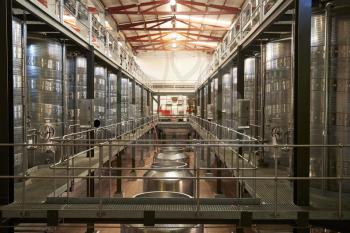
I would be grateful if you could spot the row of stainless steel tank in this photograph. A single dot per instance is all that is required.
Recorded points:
(268, 84)
(50, 86)
(169, 162)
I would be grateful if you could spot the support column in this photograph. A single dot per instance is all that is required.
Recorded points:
(90, 185)
(119, 173)
(90, 72)
(158, 104)
(208, 97)
(133, 104)
(240, 74)
(119, 95)
(6, 107)
(142, 107)
(148, 103)
(218, 174)
(90, 89)
(133, 160)
(206, 117)
(219, 105)
(301, 156)
(202, 102)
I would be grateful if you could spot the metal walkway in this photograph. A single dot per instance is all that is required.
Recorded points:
(266, 190)
(37, 190)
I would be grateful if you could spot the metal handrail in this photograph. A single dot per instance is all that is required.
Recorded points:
(236, 37)
(57, 12)
(240, 177)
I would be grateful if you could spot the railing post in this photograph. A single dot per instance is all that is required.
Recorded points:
(340, 181)
(275, 179)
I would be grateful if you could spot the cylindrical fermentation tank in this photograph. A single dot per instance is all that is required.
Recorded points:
(112, 103)
(177, 184)
(177, 157)
(138, 94)
(161, 228)
(45, 94)
(18, 92)
(278, 99)
(125, 99)
(252, 92)
(100, 94)
(330, 96)
(77, 86)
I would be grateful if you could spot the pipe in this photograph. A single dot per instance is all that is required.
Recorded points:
(327, 44)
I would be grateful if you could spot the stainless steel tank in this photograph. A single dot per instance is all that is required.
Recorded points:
(234, 96)
(161, 228)
(112, 104)
(205, 102)
(177, 184)
(138, 101)
(77, 86)
(144, 103)
(252, 92)
(172, 149)
(330, 100)
(45, 93)
(125, 99)
(249, 85)
(177, 157)
(18, 92)
(278, 99)
(226, 99)
(100, 94)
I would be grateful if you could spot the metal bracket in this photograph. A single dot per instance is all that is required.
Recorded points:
(149, 218)
(52, 217)
(302, 224)
(246, 219)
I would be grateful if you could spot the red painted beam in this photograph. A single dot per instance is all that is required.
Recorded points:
(213, 38)
(177, 49)
(233, 10)
(113, 9)
(122, 12)
(160, 40)
(142, 36)
(173, 29)
(131, 25)
(187, 22)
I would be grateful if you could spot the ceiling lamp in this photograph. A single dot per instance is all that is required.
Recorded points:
(172, 2)
(174, 36)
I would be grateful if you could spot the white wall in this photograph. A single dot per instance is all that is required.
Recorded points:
(173, 65)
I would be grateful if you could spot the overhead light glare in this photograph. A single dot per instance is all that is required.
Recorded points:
(172, 2)
(174, 36)
(174, 45)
